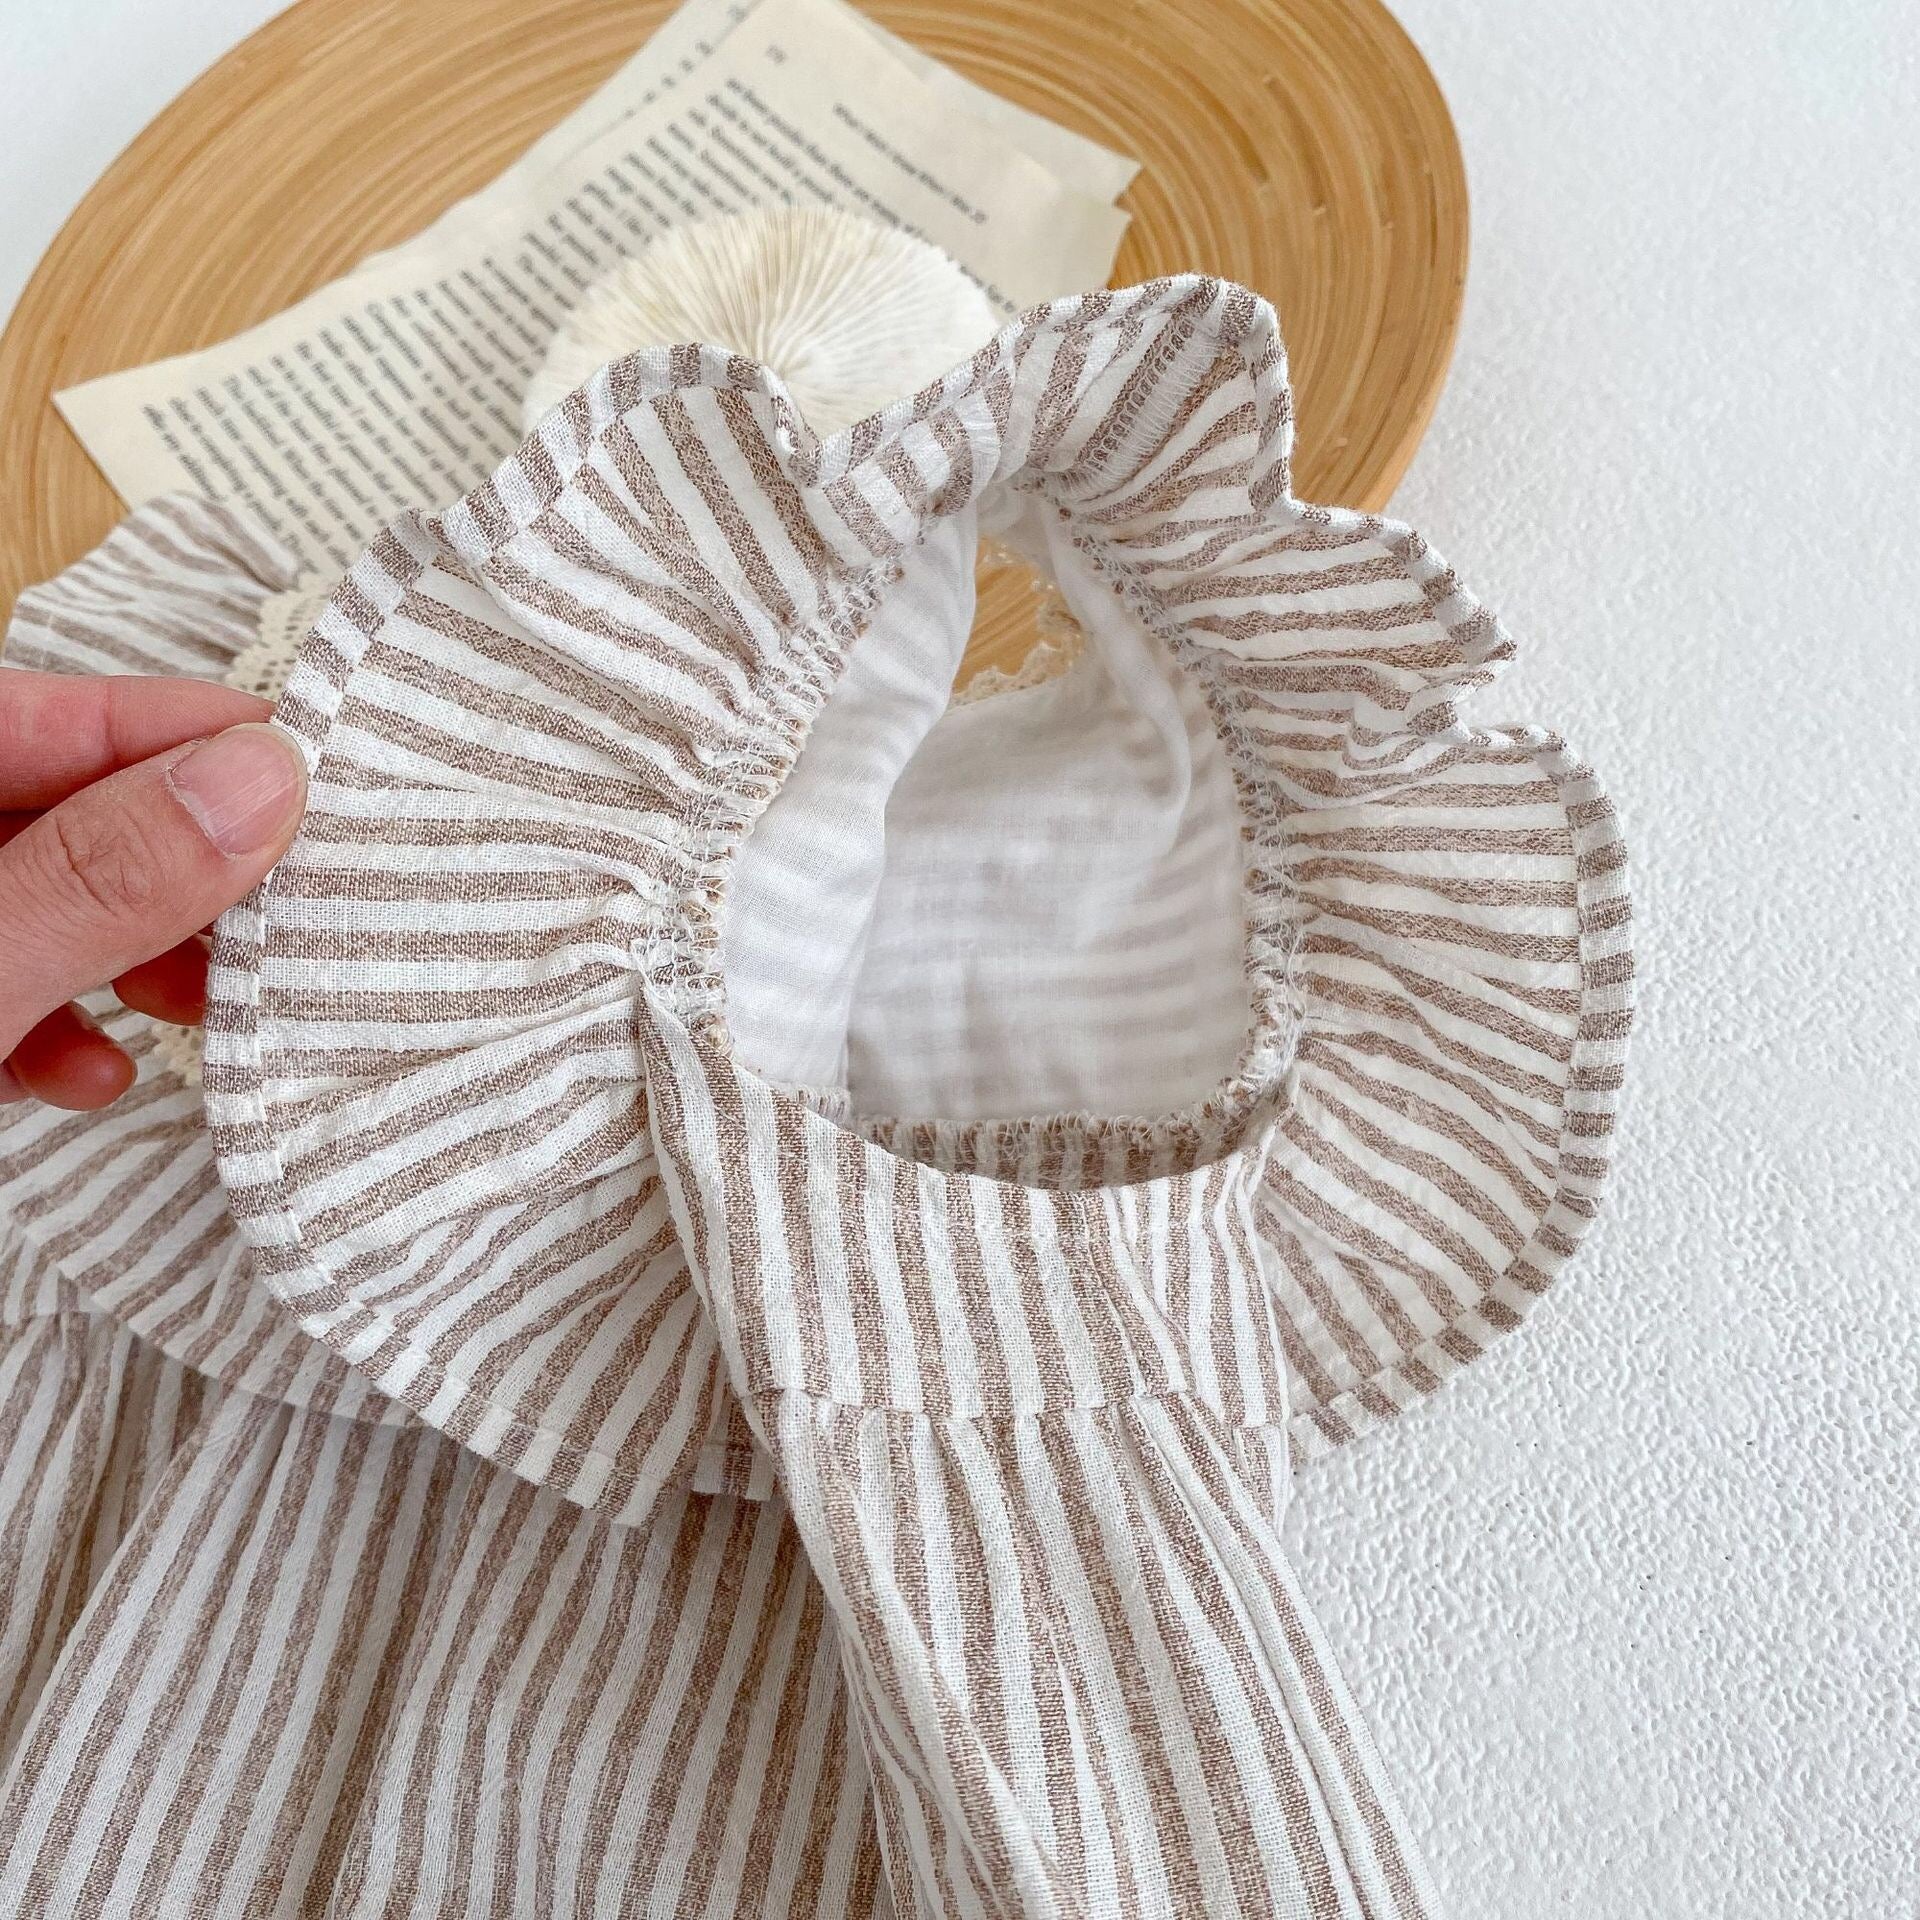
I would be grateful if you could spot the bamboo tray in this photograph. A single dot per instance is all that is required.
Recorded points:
(1299, 146)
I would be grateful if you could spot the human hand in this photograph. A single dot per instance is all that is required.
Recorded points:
(134, 810)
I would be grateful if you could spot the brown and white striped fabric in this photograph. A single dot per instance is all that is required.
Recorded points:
(658, 1391)
(1022, 1434)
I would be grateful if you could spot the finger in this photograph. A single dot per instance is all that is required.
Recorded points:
(172, 986)
(60, 732)
(131, 865)
(67, 1061)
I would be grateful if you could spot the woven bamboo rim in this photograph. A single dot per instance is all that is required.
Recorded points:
(1298, 146)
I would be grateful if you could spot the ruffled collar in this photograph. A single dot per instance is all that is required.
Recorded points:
(580, 687)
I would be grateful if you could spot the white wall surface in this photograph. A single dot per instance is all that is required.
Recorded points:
(1635, 1606)
(1638, 1605)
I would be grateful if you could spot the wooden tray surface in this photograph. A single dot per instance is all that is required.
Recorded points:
(1299, 146)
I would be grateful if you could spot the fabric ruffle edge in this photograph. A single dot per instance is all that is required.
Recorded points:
(1449, 910)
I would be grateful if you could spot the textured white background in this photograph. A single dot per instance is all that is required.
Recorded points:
(1636, 1606)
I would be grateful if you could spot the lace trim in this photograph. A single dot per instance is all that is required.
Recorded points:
(260, 667)
(1060, 642)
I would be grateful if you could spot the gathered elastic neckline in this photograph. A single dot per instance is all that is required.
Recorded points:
(795, 677)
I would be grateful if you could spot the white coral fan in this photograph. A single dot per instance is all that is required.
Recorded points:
(849, 314)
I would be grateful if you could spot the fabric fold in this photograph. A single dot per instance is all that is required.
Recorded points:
(258, 1662)
(763, 1247)
(1084, 1673)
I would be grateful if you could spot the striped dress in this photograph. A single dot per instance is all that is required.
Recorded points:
(727, 1327)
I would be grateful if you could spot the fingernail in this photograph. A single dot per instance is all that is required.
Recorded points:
(11, 1090)
(243, 787)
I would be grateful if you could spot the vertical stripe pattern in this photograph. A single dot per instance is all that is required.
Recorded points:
(514, 1457)
(262, 1663)
(1084, 1673)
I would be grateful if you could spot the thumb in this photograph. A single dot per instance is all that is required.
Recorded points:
(133, 864)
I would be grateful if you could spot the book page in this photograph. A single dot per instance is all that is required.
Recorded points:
(399, 386)
(689, 36)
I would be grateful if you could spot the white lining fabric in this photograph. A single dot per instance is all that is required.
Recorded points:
(1025, 904)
